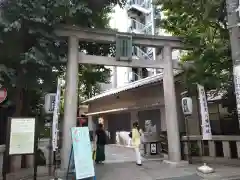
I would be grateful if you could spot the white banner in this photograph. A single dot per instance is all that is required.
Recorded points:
(55, 116)
(206, 128)
(236, 71)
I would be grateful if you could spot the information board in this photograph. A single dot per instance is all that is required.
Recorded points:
(22, 136)
(82, 152)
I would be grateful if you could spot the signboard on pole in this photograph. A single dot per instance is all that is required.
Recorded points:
(22, 136)
(206, 128)
(82, 152)
(3, 94)
(236, 72)
(187, 105)
(49, 103)
(55, 116)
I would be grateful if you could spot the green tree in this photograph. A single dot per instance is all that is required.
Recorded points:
(90, 76)
(31, 55)
(203, 27)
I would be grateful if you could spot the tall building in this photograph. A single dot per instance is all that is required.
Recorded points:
(142, 15)
(138, 16)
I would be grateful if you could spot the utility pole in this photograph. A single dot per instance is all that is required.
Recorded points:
(233, 16)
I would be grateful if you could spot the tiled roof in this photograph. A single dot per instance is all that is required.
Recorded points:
(211, 95)
(132, 85)
(124, 109)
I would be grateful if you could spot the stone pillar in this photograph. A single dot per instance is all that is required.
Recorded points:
(70, 100)
(174, 150)
(115, 77)
(163, 119)
(30, 161)
(16, 161)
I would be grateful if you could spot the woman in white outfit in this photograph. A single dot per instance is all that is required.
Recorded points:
(136, 142)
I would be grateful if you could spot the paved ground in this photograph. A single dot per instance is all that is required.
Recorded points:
(157, 170)
(118, 154)
(120, 165)
(151, 170)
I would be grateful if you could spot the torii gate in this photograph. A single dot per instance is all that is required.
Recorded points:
(164, 61)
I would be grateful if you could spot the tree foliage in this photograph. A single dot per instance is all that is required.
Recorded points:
(31, 55)
(103, 3)
(203, 26)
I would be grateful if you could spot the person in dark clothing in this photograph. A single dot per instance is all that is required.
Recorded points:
(100, 142)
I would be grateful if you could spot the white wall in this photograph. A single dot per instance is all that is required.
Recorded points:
(120, 21)
(122, 78)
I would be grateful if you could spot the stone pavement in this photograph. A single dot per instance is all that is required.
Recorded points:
(151, 170)
(118, 154)
(157, 170)
(120, 165)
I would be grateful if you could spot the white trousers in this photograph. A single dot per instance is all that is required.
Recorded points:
(138, 155)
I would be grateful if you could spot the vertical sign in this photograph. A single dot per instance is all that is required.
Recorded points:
(55, 116)
(236, 71)
(82, 152)
(206, 128)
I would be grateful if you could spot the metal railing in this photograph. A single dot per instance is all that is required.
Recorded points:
(140, 53)
(137, 25)
(145, 29)
(143, 3)
(140, 27)
(150, 52)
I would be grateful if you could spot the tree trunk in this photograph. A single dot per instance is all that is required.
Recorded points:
(19, 101)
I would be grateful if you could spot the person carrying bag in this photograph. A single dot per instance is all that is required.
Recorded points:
(136, 142)
(99, 145)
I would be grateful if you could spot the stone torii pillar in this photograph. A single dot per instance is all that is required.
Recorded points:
(174, 150)
(70, 100)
